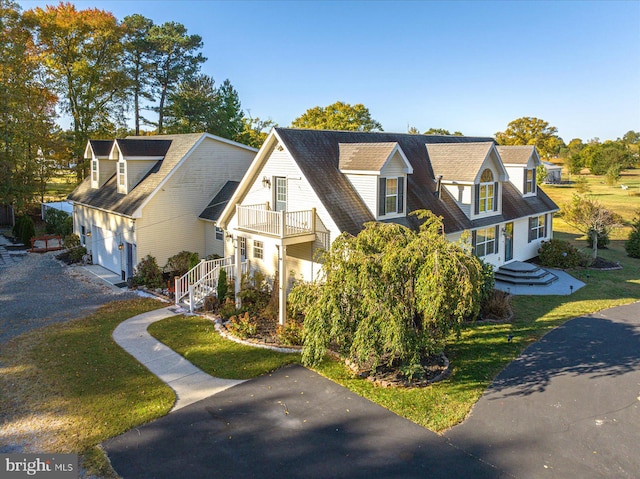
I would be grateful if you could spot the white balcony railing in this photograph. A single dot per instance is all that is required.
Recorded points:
(281, 224)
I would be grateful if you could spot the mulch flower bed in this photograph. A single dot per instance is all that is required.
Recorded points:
(604, 264)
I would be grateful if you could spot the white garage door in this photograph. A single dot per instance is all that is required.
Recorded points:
(105, 249)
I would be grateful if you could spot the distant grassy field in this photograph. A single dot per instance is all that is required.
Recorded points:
(624, 202)
(60, 185)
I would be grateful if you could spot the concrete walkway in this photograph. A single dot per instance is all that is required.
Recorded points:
(189, 383)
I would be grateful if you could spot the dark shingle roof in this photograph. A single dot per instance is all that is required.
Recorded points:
(219, 202)
(132, 147)
(317, 153)
(101, 148)
(107, 198)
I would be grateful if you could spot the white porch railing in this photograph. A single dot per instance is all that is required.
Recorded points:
(194, 275)
(207, 284)
(281, 224)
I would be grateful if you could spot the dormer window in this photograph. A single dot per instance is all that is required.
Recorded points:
(94, 171)
(391, 196)
(530, 182)
(121, 174)
(486, 192)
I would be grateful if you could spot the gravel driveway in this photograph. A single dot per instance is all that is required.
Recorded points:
(40, 290)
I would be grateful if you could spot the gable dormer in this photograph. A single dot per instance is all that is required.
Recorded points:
(378, 172)
(471, 173)
(134, 159)
(521, 163)
(100, 167)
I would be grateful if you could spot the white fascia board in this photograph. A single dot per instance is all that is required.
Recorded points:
(88, 151)
(407, 165)
(249, 178)
(503, 175)
(231, 142)
(142, 158)
(361, 172)
(115, 145)
(445, 181)
(84, 205)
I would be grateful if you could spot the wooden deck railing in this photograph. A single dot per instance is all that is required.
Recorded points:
(282, 224)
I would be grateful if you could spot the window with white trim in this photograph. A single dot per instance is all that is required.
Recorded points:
(243, 247)
(83, 235)
(390, 195)
(530, 182)
(537, 227)
(485, 241)
(258, 249)
(219, 234)
(121, 173)
(94, 171)
(486, 194)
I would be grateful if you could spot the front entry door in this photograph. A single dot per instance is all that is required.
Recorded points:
(508, 242)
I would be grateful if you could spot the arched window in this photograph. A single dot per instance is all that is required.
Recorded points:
(486, 192)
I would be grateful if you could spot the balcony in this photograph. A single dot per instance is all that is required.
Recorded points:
(293, 226)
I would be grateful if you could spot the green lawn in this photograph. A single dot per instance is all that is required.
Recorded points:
(75, 385)
(72, 380)
(477, 356)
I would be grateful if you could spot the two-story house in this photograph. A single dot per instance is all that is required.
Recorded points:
(305, 187)
(144, 195)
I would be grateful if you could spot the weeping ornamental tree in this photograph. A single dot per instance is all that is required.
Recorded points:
(389, 294)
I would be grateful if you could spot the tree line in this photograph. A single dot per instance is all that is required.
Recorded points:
(101, 72)
(104, 73)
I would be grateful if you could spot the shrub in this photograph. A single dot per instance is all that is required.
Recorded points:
(496, 306)
(148, 273)
(632, 245)
(243, 325)
(291, 333)
(179, 264)
(228, 308)
(210, 303)
(24, 229)
(557, 253)
(488, 281)
(76, 254)
(223, 287)
(58, 222)
(255, 291)
(71, 241)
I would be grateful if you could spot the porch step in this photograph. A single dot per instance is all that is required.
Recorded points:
(521, 273)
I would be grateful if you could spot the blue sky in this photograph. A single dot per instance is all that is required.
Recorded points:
(458, 65)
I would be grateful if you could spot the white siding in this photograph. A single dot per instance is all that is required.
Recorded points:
(136, 170)
(300, 196)
(170, 222)
(106, 169)
(367, 187)
(212, 245)
(395, 167)
(516, 176)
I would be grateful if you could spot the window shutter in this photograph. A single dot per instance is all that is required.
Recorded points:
(546, 225)
(524, 186)
(382, 196)
(496, 195)
(530, 230)
(473, 241)
(400, 194)
(535, 182)
(477, 207)
(496, 243)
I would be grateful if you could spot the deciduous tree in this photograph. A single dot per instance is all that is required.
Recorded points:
(338, 116)
(82, 51)
(255, 131)
(389, 293)
(441, 131)
(27, 109)
(591, 218)
(532, 131)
